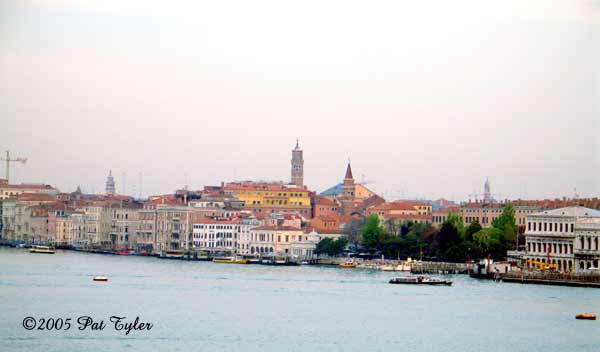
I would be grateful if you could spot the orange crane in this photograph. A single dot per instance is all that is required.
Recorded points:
(9, 160)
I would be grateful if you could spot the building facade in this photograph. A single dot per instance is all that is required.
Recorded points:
(265, 198)
(566, 238)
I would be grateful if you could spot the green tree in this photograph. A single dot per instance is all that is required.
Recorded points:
(324, 246)
(331, 247)
(472, 229)
(506, 222)
(373, 234)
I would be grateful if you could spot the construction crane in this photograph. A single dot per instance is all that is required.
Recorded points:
(542, 266)
(9, 160)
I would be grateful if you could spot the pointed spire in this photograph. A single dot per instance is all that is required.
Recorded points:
(297, 143)
(348, 171)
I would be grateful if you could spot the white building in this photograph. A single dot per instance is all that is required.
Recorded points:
(216, 235)
(566, 237)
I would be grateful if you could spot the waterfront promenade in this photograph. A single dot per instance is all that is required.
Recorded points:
(213, 307)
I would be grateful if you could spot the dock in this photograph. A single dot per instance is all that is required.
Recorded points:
(554, 279)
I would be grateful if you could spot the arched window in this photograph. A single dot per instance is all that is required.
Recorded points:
(581, 264)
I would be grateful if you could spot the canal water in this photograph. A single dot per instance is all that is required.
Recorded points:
(203, 306)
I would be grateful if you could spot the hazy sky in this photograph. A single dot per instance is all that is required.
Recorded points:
(427, 98)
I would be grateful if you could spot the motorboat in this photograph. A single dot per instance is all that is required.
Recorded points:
(230, 260)
(172, 254)
(420, 280)
(100, 278)
(350, 264)
(42, 249)
(586, 316)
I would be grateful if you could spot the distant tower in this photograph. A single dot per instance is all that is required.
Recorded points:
(297, 166)
(348, 192)
(487, 194)
(110, 183)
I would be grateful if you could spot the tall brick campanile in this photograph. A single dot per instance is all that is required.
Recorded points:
(297, 166)
(348, 192)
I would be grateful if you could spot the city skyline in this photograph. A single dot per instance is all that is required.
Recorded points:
(427, 109)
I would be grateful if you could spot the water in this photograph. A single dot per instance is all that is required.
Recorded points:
(222, 307)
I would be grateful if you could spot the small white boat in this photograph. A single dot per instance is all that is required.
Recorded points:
(100, 278)
(42, 249)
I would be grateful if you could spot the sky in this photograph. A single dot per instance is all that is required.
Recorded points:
(426, 98)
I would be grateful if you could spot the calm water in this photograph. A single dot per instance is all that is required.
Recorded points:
(218, 307)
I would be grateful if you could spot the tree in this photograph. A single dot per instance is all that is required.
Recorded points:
(506, 222)
(472, 229)
(373, 234)
(446, 237)
(353, 231)
(331, 247)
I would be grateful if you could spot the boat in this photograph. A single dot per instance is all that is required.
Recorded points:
(230, 260)
(100, 278)
(172, 254)
(304, 262)
(420, 280)
(282, 261)
(348, 264)
(586, 316)
(42, 249)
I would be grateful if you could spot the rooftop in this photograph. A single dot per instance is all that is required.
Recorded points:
(570, 211)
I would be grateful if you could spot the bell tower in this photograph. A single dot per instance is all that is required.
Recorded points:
(348, 192)
(297, 166)
(110, 183)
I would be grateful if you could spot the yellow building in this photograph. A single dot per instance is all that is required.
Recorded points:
(265, 198)
(64, 229)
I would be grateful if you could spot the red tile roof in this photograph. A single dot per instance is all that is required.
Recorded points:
(29, 186)
(275, 228)
(399, 205)
(35, 197)
(322, 200)
(258, 186)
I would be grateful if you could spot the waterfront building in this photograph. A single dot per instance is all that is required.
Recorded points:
(276, 240)
(216, 235)
(98, 223)
(25, 217)
(565, 237)
(265, 197)
(297, 166)
(123, 223)
(63, 228)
